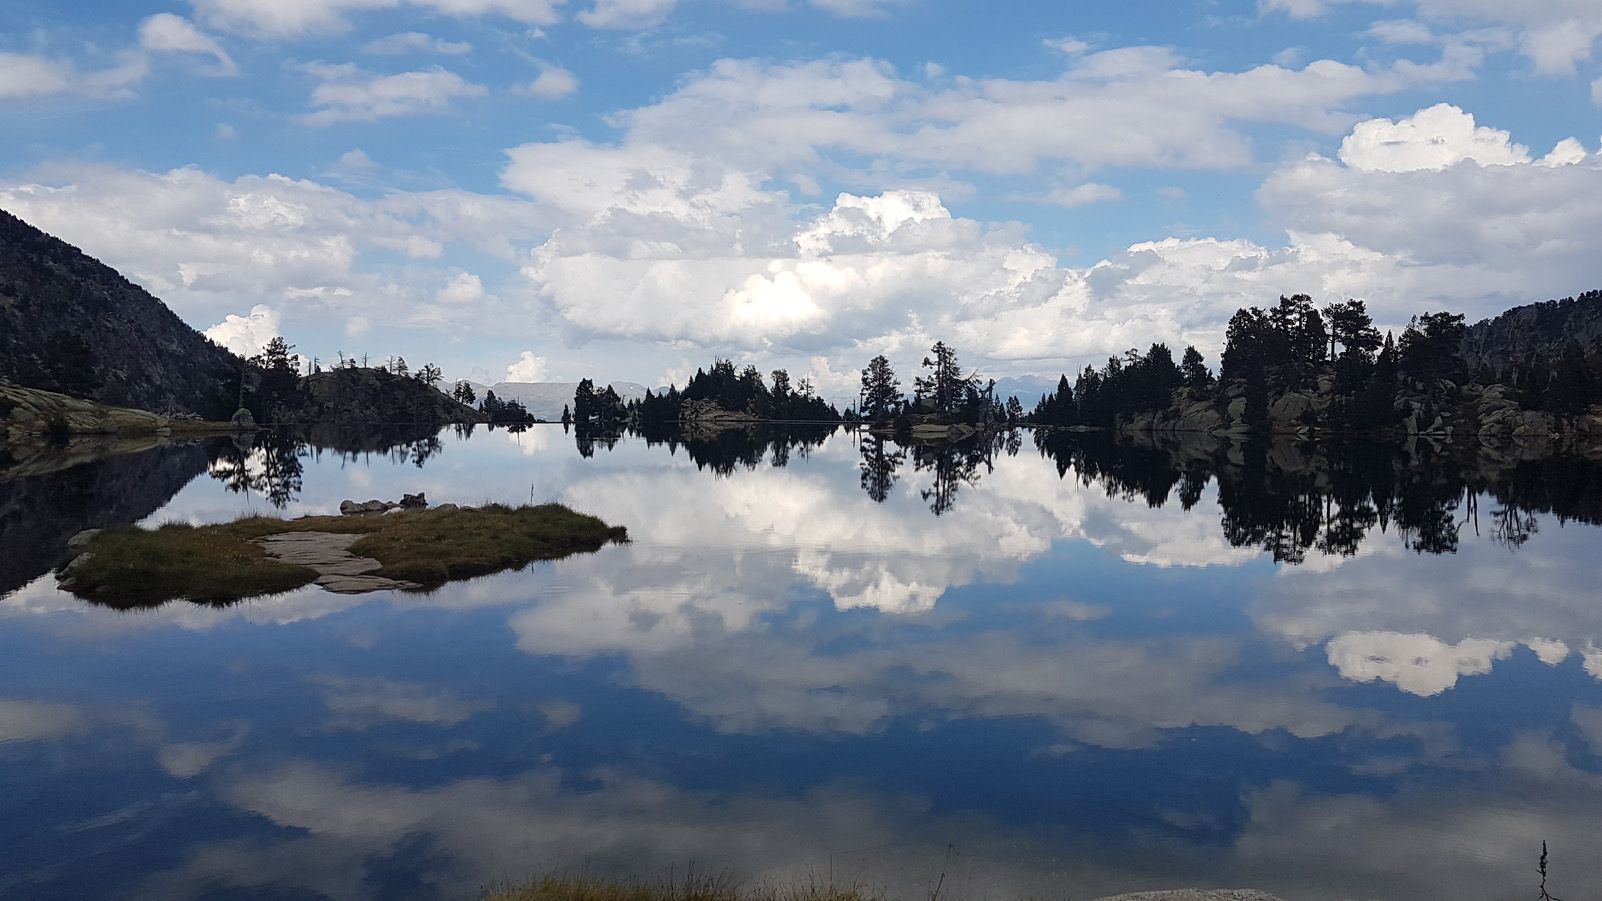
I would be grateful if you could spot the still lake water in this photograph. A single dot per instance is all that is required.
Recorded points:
(1093, 672)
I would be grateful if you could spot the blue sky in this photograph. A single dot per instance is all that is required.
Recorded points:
(624, 188)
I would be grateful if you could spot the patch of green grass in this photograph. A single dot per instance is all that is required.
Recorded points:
(691, 888)
(129, 566)
(133, 567)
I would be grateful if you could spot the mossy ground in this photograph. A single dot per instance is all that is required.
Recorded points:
(129, 566)
(693, 888)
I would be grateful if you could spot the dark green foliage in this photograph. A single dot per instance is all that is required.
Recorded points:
(881, 390)
(1431, 347)
(509, 412)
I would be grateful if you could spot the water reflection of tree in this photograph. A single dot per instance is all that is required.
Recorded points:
(951, 466)
(272, 463)
(879, 466)
(1299, 500)
(270, 467)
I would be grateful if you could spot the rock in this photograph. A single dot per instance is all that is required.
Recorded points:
(81, 540)
(443, 507)
(242, 419)
(413, 500)
(1236, 409)
(347, 507)
(1197, 895)
(1289, 408)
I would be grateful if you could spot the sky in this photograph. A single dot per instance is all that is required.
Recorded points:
(535, 190)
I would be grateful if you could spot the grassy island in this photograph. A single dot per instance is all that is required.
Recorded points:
(128, 566)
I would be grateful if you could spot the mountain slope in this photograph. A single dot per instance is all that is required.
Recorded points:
(71, 324)
(1539, 329)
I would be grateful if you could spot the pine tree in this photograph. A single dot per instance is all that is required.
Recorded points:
(881, 390)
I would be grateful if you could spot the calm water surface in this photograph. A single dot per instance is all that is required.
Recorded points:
(1089, 673)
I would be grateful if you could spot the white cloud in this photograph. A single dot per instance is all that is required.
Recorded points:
(22, 75)
(295, 18)
(1596, 92)
(414, 42)
(224, 132)
(1082, 195)
(28, 75)
(348, 94)
(463, 288)
(528, 368)
(627, 14)
(1432, 138)
(552, 82)
(1066, 45)
(210, 247)
(167, 33)
(247, 335)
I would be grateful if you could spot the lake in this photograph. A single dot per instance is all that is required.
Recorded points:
(1052, 667)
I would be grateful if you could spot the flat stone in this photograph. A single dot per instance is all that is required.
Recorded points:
(328, 554)
(1195, 895)
(339, 584)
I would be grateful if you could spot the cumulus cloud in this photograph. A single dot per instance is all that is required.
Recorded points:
(247, 335)
(167, 33)
(552, 82)
(528, 368)
(1432, 138)
(211, 247)
(348, 94)
(463, 288)
(1453, 201)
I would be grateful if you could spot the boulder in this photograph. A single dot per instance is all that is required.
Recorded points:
(413, 500)
(242, 419)
(1237, 409)
(81, 540)
(1288, 409)
(356, 508)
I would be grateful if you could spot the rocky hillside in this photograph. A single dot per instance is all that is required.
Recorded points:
(1539, 329)
(370, 397)
(70, 324)
(31, 413)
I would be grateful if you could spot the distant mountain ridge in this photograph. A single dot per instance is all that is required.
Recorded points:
(71, 324)
(545, 400)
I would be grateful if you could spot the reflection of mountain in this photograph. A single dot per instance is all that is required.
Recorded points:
(39, 513)
(1295, 500)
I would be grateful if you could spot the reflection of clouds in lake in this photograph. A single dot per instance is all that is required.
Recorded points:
(185, 760)
(24, 720)
(1429, 619)
(358, 703)
(1418, 664)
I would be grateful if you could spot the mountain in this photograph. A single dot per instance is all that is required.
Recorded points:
(545, 400)
(1539, 329)
(69, 323)
(1029, 389)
